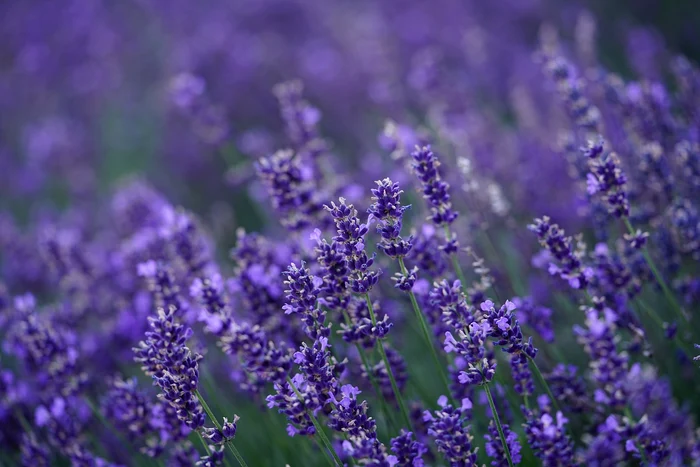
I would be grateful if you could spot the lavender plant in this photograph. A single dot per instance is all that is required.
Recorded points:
(209, 258)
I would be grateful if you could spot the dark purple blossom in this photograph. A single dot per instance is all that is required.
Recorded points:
(408, 451)
(494, 447)
(447, 426)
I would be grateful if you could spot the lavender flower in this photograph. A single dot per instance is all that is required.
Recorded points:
(351, 235)
(567, 262)
(388, 210)
(165, 356)
(435, 191)
(494, 447)
(408, 452)
(480, 366)
(606, 178)
(504, 328)
(546, 435)
(290, 185)
(452, 438)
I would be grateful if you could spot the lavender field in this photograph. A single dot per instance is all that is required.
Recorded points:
(349, 233)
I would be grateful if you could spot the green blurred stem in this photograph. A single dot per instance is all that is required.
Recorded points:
(204, 443)
(659, 278)
(319, 428)
(455, 261)
(427, 335)
(540, 376)
(497, 419)
(389, 371)
(229, 443)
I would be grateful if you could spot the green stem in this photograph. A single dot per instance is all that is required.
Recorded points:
(659, 278)
(427, 335)
(498, 425)
(540, 376)
(319, 428)
(229, 443)
(204, 443)
(389, 371)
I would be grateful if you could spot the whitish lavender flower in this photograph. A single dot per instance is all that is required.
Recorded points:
(351, 234)
(567, 262)
(546, 435)
(408, 452)
(165, 356)
(388, 210)
(290, 185)
(452, 438)
(494, 447)
(606, 178)
(436, 191)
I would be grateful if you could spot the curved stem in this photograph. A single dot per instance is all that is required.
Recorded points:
(229, 444)
(540, 376)
(389, 371)
(497, 419)
(659, 278)
(427, 334)
(319, 428)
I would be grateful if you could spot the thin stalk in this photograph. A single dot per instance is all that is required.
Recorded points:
(204, 443)
(389, 371)
(537, 371)
(319, 428)
(368, 369)
(427, 335)
(229, 444)
(640, 448)
(497, 419)
(659, 278)
(325, 452)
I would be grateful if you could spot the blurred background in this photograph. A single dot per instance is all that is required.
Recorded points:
(89, 89)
